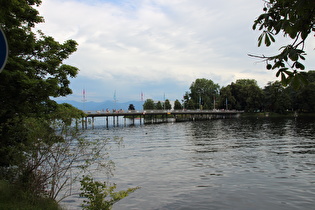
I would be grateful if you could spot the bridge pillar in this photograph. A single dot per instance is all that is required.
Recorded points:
(93, 122)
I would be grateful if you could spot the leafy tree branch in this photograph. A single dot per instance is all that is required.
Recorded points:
(294, 19)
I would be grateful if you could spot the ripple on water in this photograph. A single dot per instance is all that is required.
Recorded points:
(218, 164)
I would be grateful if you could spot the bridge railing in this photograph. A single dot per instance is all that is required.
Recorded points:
(163, 111)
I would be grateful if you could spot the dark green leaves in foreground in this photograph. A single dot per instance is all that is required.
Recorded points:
(294, 19)
(267, 38)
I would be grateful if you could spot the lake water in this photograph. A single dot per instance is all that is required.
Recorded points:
(218, 164)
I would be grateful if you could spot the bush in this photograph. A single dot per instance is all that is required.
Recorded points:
(101, 195)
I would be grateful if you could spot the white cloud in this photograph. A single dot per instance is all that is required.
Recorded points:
(138, 45)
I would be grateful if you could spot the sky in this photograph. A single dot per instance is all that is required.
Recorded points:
(156, 48)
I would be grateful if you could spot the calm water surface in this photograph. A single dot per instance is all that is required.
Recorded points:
(218, 164)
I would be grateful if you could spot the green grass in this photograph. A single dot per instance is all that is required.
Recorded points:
(12, 198)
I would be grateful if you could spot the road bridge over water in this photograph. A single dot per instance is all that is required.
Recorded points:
(157, 116)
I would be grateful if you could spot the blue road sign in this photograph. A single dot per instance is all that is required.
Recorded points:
(3, 50)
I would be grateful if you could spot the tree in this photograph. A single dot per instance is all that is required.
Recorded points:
(226, 99)
(203, 93)
(177, 105)
(190, 104)
(38, 143)
(159, 105)
(148, 104)
(51, 167)
(276, 98)
(34, 73)
(167, 104)
(294, 19)
(186, 99)
(303, 99)
(306, 98)
(131, 107)
(247, 94)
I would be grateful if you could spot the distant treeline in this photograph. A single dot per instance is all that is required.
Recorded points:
(246, 95)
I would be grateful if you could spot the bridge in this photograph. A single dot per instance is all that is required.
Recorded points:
(156, 116)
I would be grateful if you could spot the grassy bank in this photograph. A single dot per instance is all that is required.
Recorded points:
(12, 198)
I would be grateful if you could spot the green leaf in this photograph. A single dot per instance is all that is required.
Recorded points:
(283, 69)
(254, 26)
(260, 38)
(289, 73)
(278, 73)
(271, 37)
(304, 34)
(292, 33)
(278, 64)
(298, 65)
(283, 79)
(267, 40)
(293, 55)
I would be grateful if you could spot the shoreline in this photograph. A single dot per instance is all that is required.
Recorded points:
(273, 114)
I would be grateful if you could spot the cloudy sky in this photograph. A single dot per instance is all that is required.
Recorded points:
(156, 47)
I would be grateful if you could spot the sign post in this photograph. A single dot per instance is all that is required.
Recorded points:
(3, 50)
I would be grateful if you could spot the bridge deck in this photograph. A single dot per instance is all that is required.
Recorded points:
(159, 112)
(154, 115)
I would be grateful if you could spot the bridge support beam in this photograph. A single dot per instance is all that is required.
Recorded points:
(157, 116)
(93, 122)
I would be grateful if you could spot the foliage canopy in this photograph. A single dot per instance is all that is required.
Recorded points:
(40, 149)
(294, 19)
(246, 95)
(202, 95)
(34, 73)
